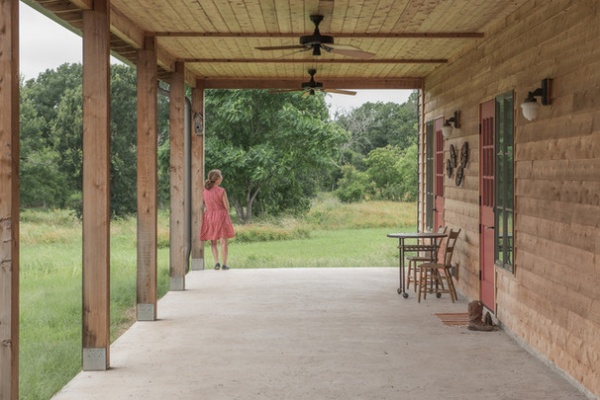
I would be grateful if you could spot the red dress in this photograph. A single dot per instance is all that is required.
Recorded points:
(216, 223)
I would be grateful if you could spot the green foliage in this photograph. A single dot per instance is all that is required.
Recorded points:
(41, 180)
(275, 151)
(390, 168)
(391, 175)
(51, 140)
(409, 179)
(67, 130)
(375, 125)
(286, 229)
(380, 159)
(328, 213)
(123, 140)
(353, 186)
(48, 89)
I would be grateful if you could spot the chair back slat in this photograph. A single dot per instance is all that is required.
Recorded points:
(450, 244)
(439, 242)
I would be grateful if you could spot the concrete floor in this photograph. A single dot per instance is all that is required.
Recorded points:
(312, 334)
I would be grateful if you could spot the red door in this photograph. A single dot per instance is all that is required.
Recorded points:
(487, 196)
(438, 218)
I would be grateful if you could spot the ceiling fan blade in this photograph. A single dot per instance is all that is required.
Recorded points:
(302, 48)
(296, 46)
(340, 91)
(285, 90)
(347, 50)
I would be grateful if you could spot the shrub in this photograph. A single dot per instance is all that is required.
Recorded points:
(353, 186)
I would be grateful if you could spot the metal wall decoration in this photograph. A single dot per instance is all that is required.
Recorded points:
(452, 163)
(459, 175)
(464, 154)
(453, 156)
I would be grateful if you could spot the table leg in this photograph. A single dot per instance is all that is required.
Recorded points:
(402, 288)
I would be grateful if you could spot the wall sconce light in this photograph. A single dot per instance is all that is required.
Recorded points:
(530, 106)
(453, 122)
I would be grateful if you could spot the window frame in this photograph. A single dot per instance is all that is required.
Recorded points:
(504, 213)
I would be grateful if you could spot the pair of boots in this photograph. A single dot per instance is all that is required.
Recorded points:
(475, 318)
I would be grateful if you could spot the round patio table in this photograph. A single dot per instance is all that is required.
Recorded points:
(425, 241)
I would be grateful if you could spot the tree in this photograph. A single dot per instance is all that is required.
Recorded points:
(52, 138)
(391, 175)
(383, 143)
(375, 125)
(394, 172)
(42, 183)
(48, 89)
(353, 185)
(275, 151)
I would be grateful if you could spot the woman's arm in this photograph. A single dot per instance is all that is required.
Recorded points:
(225, 201)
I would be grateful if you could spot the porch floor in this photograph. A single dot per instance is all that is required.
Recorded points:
(296, 334)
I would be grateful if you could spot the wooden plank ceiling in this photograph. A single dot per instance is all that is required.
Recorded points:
(217, 39)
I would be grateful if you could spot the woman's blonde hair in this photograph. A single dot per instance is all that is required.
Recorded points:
(213, 177)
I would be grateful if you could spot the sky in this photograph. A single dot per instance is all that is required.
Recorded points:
(46, 45)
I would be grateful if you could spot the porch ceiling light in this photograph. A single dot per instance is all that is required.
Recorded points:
(530, 106)
(453, 122)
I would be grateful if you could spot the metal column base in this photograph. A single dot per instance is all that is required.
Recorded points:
(146, 312)
(197, 264)
(177, 283)
(94, 359)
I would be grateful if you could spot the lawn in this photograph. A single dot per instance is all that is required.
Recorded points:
(331, 235)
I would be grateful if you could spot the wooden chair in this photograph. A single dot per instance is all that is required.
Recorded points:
(435, 273)
(423, 257)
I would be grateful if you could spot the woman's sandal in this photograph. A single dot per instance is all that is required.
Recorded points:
(225, 267)
(218, 266)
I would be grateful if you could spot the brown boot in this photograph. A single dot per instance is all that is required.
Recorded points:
(488, 319)
(475, 313)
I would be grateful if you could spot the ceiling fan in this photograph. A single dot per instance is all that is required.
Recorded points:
(312, 86)
(316, 42)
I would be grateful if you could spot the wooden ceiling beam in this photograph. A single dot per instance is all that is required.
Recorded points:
(125, 29)
(399, 35)
(312, 60)
(343, 83)
(83, 4)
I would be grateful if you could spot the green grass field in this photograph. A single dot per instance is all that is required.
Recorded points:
(331, 235)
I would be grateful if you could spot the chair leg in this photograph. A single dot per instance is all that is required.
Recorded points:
(451, 284)
(448, 279)
(421, 280)
(408, 275)
(412, 267)
(426, 281)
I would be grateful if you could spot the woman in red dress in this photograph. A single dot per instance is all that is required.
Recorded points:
(216, 222)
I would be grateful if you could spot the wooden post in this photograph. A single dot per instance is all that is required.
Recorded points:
(96, 187)
(177, 254)
(197, 173)
(9, 199)
(147, 178)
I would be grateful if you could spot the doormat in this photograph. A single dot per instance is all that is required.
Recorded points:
(454, 319)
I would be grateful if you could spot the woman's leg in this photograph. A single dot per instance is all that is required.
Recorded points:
(215, 250)
(224, 249)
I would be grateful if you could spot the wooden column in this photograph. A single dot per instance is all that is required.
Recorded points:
(9, 199)
(177, 255)
(197, 173)
(96, 187)
(147, 178)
